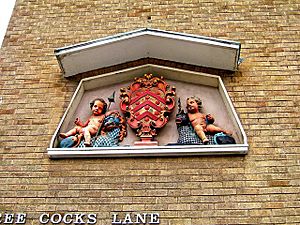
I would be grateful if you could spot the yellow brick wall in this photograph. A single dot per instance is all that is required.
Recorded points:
(262, 187)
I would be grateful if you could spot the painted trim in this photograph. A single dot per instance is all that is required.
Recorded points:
(143, 43)
(188, 150)
(145, 31)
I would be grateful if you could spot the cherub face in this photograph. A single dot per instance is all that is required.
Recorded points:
(97, 108)
(191, 105)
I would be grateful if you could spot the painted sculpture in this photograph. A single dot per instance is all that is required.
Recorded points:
(186, 132)
(201, 123)
(101, 129)
(147, 103)
(91, 126)
(112, 131)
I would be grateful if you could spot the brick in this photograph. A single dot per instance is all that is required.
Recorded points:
(259, 188)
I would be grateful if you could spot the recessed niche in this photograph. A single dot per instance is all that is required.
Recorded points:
(209, 88)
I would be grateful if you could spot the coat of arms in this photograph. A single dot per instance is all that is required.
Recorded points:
(147, 103)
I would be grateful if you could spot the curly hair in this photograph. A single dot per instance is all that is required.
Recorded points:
(101, 100)
(198, 100)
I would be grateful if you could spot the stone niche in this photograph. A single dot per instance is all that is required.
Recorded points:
(208, 87)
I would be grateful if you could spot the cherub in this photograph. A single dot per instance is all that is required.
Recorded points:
(201, 123)
(92, 125)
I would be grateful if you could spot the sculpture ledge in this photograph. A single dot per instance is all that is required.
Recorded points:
(148, 151)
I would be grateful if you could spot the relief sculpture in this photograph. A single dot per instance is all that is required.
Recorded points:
(195, 127)
(147, 104)
(202, 123)
(101, 129)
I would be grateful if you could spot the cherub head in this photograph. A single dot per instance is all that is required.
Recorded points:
(193, 104)
(98, 106)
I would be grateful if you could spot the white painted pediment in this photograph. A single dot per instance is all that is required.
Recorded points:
(148, 43)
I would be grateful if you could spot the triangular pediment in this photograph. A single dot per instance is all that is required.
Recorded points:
(148, 43)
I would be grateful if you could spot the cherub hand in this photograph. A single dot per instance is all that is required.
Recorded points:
(77, 121)
(209, 119)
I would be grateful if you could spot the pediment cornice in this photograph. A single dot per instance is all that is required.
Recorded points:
(148, 43)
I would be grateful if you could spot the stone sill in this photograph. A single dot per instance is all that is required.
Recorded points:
(148, 151)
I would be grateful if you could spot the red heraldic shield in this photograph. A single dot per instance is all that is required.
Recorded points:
(147, 104)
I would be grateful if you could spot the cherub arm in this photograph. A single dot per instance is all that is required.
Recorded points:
(111, 112)
(78, 122)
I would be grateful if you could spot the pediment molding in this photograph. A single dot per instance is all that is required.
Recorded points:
(148, 43)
